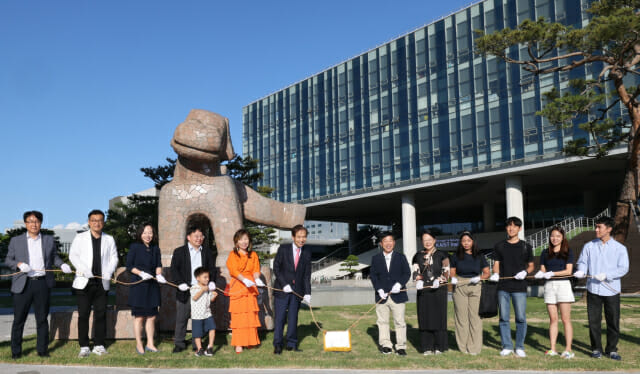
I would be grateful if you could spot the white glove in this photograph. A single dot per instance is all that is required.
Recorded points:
(494, 277)
(287, 289)
(521, 275)
(419, 284)
(475, 280)
(260, 283)
(396, 288)
(539, 275)
(24, 267)
(183, 287)
(145, 276)
(160, 278)
(85, 273)
(212, 286)
(454, 280)
(601, 277)
(436, 283)
(382, 294)
(548, 275)
(65, 268)
(306, 299)
(248, 282)
(579, 274)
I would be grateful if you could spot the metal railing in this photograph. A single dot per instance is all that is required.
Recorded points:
(571, 226)
(339, 255)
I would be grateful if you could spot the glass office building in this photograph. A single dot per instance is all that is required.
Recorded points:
(421, 107)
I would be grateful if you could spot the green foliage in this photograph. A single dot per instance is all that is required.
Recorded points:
(162, 174)
(610, 41)
(349, 263)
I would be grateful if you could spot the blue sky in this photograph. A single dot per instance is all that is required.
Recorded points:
(91, 91)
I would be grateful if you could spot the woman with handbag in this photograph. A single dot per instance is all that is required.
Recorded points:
(244, 269)
(557, 260)
(468, 269)
(431, 268)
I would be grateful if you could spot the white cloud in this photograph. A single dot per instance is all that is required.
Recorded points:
(73, 225)
(58, 227)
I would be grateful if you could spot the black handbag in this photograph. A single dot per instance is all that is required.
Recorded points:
(488, 300)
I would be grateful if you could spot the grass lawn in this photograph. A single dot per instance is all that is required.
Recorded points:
(365, 354)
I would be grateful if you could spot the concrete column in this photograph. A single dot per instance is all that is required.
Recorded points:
(515, 201)
(353, 235)
(590, 208)
(489, 216)
(409, 226)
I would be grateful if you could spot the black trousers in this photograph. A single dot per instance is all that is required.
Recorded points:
(93, 295)
(286, 310)
(35, 293)
(183, 313)
(430, 340)
(612, 317)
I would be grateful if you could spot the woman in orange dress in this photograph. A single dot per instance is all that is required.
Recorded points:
(244, 269)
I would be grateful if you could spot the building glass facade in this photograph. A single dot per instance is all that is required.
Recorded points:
(421, 107)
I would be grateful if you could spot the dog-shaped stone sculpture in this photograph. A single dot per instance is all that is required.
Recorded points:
(200, 186)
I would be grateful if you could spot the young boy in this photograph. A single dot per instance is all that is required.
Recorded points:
(201, 318)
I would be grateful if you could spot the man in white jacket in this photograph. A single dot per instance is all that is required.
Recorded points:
(95, 257)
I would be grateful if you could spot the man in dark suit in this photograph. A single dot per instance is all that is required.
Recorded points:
(31, 254)
(389, 274)
(184, 262)
(292, 268)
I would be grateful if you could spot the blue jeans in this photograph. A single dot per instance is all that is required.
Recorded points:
(519, 300)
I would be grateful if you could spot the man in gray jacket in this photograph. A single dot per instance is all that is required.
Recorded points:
(30, 255)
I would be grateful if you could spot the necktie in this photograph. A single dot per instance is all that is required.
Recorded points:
(295, 260)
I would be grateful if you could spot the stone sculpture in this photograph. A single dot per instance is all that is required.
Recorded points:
(200, 186)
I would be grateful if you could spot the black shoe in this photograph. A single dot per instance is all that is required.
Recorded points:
(596, 354)
(294, 349)
(177, 349)
(200, 352)
(43, 354)
(16, 356)
(386, 350)
(209, 352)
(615, 356)
(277, 350)
(401, 352)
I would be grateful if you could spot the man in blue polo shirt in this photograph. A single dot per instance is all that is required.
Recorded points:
(606, 260)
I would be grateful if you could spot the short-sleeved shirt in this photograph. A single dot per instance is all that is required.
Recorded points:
(201, 308)
(513, 259)
(557, 263)
(469, 266)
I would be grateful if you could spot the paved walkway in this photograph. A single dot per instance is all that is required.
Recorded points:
(41, 369)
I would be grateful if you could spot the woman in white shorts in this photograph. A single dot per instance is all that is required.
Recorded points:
(556, 266)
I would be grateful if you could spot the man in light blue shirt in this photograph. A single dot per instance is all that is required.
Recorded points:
(606, 261)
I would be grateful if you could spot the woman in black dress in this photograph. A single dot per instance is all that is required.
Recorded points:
(143, 260)
(431, 268)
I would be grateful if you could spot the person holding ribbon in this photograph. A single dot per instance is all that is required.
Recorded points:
(292, 268)
(468, 268)
(389, 274)
(430, 269)
(143, 260)
(606, 260)
(557, 261)
(244, 269)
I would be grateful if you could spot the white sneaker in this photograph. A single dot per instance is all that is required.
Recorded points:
(520, 353)
(506, 352)
(84, 352)
(437, 352)
(99, 350)
(428, 353)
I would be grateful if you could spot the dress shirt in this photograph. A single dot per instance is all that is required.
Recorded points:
(387, 259)
(295, 252)
(36, 261)
(196, 261)
(610, 258)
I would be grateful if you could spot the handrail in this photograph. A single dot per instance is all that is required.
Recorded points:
(570, 225)
(333, 257)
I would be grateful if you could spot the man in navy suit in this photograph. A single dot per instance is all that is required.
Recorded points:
(389, 274)
(31, 254)
(292, 268)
